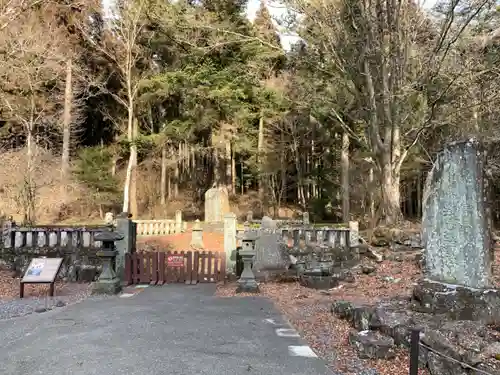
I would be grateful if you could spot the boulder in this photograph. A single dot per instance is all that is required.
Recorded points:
(318, 282)
(358, 314)
(368, 269)
(467, 342)
(457, 302)
(372, 345)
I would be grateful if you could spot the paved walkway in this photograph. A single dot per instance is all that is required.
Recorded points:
(175, 329)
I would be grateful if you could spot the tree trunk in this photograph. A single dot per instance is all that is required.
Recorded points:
(344, 162)
(283, 166)
(233, 170)
(260, 157)
(177, 173)
(390, 187)
(132, 153)
(68, 100)
(228, 168)
(163, 179)
(371, 195)
(133, 181)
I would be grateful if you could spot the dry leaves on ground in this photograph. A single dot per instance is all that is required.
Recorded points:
(9, 287)
(309, 312)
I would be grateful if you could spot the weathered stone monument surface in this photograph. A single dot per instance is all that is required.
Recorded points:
(455, 226)
(456, 238)
(216, 204)
(271, 256)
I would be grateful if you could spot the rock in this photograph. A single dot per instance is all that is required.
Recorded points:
(343, 275)
(342, 309)
(368, 269)
(491, 366)
(60, 303)
(40, 309)
(441, 366)
(391, 279)
(361, 316)
(463, 341)
(372, 345)
(86, 273)
(396, 247)
(375, 255)
(395, 324)
(368, 371)
(318, 282)
(457, 302)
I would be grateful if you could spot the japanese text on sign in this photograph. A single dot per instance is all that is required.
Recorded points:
(175, 260)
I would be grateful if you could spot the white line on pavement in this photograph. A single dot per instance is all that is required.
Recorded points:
(301, 351)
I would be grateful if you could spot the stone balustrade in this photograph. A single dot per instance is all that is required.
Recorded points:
(161, 227)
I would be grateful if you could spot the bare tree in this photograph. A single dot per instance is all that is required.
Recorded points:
(120, 45)
(31, 72)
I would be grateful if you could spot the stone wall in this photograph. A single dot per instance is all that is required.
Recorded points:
(75, 245)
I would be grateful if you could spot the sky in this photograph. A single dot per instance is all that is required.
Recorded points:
(277, 11)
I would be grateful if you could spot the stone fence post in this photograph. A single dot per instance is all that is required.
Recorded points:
(126, 227)
(305, 218)
(178, 221)
(229, 241)
(353, 233)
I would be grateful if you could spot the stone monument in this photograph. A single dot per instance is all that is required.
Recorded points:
(455, 226)
(216, 204)
(271, 255)
(456, 238)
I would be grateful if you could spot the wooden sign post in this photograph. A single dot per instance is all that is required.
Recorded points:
(41, 271)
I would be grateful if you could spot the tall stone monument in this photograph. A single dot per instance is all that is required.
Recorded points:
(455, 224)
(456, 238)
(216, 204)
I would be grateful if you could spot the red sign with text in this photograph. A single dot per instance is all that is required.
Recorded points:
(175, 260)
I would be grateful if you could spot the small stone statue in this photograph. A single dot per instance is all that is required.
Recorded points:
(109, 218)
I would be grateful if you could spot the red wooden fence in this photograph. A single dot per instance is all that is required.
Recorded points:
(189, 267)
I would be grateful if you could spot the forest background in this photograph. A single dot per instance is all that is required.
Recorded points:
(143, 105)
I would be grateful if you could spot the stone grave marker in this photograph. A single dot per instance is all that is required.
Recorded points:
(216, 204)
(271, 255)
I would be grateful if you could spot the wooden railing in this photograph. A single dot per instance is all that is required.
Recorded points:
(189, 267)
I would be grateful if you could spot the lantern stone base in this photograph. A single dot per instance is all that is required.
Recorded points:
(107, 286)
(248, 287)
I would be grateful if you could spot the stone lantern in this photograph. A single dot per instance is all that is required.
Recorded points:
(247, 282)
(108, 282)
